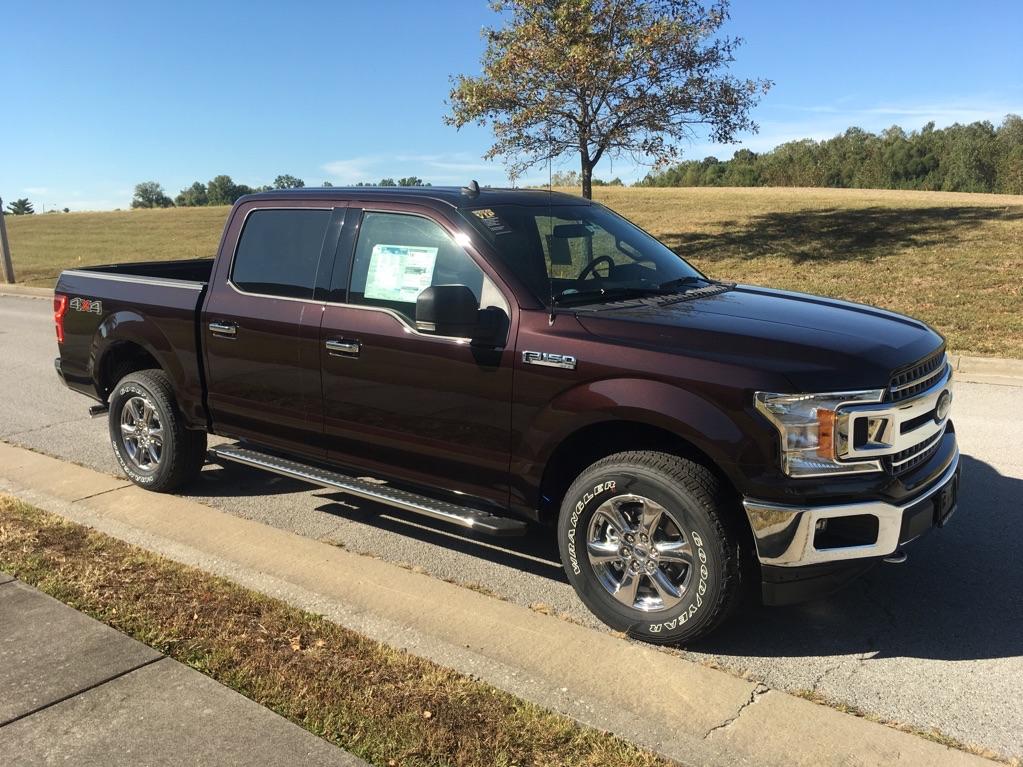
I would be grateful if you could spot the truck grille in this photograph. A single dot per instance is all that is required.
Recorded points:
(917, 378)
(908, 459)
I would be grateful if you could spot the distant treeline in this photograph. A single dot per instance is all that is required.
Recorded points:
(961, 158)
(222, 190)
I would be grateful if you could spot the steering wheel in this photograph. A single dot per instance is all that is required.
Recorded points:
(590, 267)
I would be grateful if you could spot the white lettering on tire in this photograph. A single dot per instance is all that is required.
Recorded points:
(701, 589)
(573, 521)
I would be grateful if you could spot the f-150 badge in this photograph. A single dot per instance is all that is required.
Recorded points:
(549, 360)
(86, 305)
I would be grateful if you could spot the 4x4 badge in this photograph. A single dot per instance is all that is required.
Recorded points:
(549, 360)
(86, 305)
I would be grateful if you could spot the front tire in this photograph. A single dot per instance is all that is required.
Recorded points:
(150, 441)
(645, 540)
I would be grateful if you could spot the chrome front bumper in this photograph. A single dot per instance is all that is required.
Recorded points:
(785, 534)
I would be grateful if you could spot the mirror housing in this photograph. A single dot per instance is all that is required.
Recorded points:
(448, 310)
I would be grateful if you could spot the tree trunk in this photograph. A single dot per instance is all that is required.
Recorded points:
(587, 175)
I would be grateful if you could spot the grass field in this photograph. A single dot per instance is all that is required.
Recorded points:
(953, 260)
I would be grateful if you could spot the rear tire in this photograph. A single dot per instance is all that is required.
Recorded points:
(147, 432)
(647, 543)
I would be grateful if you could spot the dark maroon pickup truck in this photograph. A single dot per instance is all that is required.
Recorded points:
(501, 358)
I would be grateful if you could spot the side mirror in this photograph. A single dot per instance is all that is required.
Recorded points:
(448, 310)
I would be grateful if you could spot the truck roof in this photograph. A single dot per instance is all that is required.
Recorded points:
(457, 197)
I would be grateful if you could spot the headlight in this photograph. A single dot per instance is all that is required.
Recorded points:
(811, 430)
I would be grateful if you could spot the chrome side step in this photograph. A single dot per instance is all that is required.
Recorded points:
(371, 491)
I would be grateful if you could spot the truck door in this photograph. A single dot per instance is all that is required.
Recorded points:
(398, 402)
(261, 323)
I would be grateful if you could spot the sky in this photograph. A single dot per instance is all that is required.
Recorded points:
(96, 97)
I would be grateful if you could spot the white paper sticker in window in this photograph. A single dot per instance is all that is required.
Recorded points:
(399, 272)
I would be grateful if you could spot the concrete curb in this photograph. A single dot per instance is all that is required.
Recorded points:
(25, 290)
(686, 711)
(1002, 371)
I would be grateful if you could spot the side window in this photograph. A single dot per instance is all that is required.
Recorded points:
(278, 252)
(398, 255)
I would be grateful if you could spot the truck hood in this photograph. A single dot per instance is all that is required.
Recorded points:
(819, 344)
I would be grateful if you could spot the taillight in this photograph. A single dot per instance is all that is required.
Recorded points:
(59, 310)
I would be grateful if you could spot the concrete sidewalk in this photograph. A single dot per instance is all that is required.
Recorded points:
(75, 691)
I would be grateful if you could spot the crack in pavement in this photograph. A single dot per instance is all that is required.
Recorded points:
(103, 492)
(754, 695)
(815, 687)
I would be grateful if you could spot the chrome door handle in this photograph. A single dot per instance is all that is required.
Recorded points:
(343, 346)
(223, 328)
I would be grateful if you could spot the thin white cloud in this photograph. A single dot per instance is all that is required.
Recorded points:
(438, 168)
(351, 170)
(942, 114)
(459, 161)
(36, 190)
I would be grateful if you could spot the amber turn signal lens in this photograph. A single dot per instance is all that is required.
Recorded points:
(825, 433)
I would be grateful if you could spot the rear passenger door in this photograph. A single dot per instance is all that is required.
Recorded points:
(261, 324)
(398, 402)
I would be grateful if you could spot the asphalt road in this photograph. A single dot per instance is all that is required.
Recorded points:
(936, 642)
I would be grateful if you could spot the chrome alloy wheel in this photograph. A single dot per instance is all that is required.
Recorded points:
(141, 433)
(640, 553)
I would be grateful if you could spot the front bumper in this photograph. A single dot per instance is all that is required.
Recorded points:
(789, 536)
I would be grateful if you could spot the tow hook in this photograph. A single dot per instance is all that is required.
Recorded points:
(897, 557)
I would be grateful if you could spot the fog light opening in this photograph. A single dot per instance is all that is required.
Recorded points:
(841, 532)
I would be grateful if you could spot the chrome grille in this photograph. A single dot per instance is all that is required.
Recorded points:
(911, 457)
(918, 378)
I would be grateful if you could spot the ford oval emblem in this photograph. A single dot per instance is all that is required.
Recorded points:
(943, 406)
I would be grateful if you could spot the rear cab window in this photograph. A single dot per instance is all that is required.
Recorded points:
(279, 250)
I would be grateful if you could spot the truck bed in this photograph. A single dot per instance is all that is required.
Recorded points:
(192, 270)
(153, 306)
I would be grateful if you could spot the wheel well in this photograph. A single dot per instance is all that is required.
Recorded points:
(122, 358)
(591, 443)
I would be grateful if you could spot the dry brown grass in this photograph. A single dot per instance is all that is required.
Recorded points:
(951, 259)
(382, 704)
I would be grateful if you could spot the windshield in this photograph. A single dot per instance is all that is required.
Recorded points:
(577, 254)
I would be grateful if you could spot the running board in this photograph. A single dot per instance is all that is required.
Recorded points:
(373, 491)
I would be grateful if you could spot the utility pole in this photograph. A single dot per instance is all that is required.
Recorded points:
(5, 248)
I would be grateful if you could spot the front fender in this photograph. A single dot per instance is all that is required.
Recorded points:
(707, 425)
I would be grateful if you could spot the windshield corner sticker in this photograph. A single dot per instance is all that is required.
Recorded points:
(492, 221)
(399, 272)
(86, 305)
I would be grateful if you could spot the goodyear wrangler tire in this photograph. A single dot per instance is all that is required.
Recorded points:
(645, 544)
(149, 438)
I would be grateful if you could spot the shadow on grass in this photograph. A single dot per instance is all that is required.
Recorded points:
(838, 234)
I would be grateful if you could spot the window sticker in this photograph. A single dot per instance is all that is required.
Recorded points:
(492, 221)
(399, 272)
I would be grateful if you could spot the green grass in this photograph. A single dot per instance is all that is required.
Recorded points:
(384, 705)
(43, 245)
(953, 260)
